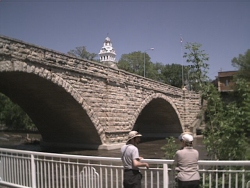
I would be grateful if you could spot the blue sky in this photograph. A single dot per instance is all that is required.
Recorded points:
(221, 26)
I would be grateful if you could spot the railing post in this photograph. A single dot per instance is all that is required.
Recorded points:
(248, 184)
(1, 170)
(165, 176)
(33, 172)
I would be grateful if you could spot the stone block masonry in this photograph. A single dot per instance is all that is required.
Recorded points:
(76, 102)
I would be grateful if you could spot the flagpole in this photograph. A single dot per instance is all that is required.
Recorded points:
(181, 63)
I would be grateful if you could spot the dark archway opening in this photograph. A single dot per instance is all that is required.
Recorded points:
(60, 119)
(158, 120)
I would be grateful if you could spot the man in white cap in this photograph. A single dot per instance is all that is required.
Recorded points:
(186, 161)
(131, 161)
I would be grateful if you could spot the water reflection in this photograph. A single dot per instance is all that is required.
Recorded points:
(148, 149)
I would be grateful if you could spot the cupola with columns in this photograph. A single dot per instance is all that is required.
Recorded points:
(107, 53)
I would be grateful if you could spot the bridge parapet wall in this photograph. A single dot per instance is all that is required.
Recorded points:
(114, 97)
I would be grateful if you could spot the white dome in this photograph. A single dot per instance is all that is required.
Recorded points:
(107, 52)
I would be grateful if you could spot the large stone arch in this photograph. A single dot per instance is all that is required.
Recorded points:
(167, 106)
(83, 83)
(23, 69)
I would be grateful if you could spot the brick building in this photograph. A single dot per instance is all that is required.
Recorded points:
(225, 81)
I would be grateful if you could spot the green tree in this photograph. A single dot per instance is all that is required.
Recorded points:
(243, 103)
(13, 116)
(242, 63)
(134, 63)
(169, 74)
(170, 148)
(224, 136)
(227, 124)
(155, 70)
(173, 74)
(81, 52)
(213, 115)
(198, 68)
(3, 100)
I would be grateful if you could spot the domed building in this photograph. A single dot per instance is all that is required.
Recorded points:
(107, 53)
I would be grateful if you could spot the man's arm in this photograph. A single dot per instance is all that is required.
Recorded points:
(137, 163)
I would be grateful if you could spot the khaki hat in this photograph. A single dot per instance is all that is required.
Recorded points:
(133, 134)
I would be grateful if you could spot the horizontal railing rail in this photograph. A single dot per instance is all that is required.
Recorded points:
(48, 170)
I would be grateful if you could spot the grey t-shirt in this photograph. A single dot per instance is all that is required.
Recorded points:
(129, 153)
(186, 161)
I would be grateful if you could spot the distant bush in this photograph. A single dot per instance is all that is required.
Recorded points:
(13, 117)
(170, 148)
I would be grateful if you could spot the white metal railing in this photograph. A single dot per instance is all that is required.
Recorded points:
(47, 170)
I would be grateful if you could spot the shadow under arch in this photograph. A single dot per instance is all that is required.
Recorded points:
(62, 117)
(158, 118)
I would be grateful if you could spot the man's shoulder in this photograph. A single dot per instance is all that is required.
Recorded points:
(190, 149)
(179, 151)
(132, 146)
(123, 146)
(128, 146)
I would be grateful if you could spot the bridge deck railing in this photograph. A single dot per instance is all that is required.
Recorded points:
(48, 170)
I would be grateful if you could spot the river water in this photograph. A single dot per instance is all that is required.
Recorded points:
(147, 149)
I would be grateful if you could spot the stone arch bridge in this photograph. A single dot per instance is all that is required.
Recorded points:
(79, 103)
